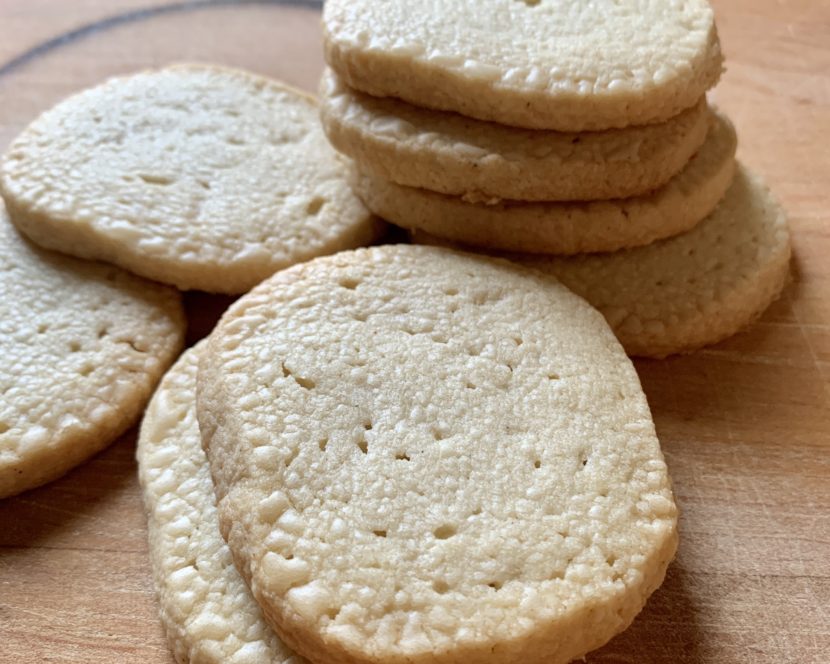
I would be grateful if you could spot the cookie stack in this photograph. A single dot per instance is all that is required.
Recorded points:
(562, 132)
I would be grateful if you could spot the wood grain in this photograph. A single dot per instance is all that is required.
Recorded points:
(745, 425)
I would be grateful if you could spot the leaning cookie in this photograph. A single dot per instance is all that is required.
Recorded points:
(691, 290)
(83, 345)
(423, 456)
(549, 64)
(566, 228)
(197, 176)
(484, 162)
(206, 608)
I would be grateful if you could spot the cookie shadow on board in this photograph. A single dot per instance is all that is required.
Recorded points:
(69, 511)
(667, 631)
(743, 389)
(203, 311)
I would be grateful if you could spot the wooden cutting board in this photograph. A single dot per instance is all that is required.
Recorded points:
(745, 425)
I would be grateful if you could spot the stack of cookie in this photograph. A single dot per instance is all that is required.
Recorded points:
(576, 135)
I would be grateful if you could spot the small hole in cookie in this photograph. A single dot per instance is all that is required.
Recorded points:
(86, 370)
(440, 587)
(292, 454)
(315, 205)
(495, 585)
(363, 445)
(4, 427)
(349, 283)
(234, 140)
(305, 383)
(611, 560)
(159, 180)
(537, 463)
(135, 345)
(553, 376)
(444, 532)
(332, 613)
(451, 291)
(43, 327)
(204, 184)
(323, 443)
(74, 346)
(402, 456)
(102, 331)
(379, 533)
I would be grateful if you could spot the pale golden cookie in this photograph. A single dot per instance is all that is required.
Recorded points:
(566, 228)
(688, 291)
(540, 64)
(483, 162)
(427, 456)
(207, 610)
(83, 345)
(201, 177)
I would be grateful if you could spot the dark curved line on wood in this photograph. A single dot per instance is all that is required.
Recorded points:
(133, 17)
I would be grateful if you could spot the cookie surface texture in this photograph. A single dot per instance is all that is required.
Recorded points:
(566, 228)
(197, 176)
(206, 608)
(540, 64)
(691, 290)
(482, 161)
(83, 345)
(428, 456)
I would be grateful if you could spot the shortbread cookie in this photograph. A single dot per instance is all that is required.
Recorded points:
(197, 176)
(540, 64)
(428, 456)
(83, 345)
(692, 290)
(566, 228)
(484, 162)
(207, 610)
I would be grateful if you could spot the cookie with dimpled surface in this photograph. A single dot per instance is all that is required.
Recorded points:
(688, 291)
(483, 162)
(83, 345)
(566, 227)
(198, 176)
(539, 64)
(205, 606)
(427, 456)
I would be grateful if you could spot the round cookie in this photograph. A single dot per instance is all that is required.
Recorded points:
(484, 162)
(206, 608)
(540, 64)
(688, 291)
(566, 228)
(83, 345)
(197, 176)
(421, 455)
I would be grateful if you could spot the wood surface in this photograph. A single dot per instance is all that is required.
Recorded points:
(745, 425)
